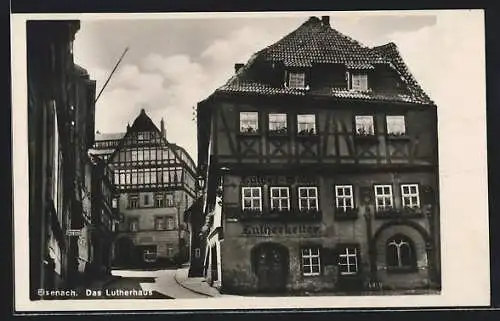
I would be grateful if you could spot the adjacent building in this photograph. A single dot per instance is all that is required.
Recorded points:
(61, 125)
(321, 166)
(155, 183)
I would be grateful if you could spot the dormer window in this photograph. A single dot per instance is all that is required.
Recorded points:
(358, 81)
(297, 80)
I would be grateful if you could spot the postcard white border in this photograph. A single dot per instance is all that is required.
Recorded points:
(464, 223)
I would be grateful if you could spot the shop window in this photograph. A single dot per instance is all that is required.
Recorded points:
(249, 122)
(348, 260)
(344, 197)
(400, 253)
(364, 125)
(306, 124)
(383, 196)
(308, 198)
(280, 198)
(251, 198)
(311, 264)
(396, 125)
(410, 196)
(149, 255)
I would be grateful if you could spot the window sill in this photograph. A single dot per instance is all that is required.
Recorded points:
(307, 136)
(278, 134)
(369, 138)
(249, 134)
(398, 137)
(341, 215)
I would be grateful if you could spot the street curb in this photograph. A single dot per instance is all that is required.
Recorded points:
(187, 288)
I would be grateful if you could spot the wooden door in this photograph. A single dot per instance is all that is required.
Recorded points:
(271, 269)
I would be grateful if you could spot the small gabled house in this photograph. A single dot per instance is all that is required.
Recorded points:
(321, 170)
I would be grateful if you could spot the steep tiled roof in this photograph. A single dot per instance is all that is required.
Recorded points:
(317, 43)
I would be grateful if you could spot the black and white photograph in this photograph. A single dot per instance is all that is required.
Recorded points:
(321, 159)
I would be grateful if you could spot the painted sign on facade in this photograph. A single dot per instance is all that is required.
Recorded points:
(281, 230)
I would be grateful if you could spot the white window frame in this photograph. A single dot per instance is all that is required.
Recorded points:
(308, 198)
(348, 255)
(308, 255)
(309, 120)
(251, 197)
(297, 80)
(390, 121)
(278, 121)
(398, 246)
(280, 197)
(383, 196)
(358, 120)
(249, 119)
(340, 200)
(359, 81)
(159, 200)
(407, 198)
(133, 198)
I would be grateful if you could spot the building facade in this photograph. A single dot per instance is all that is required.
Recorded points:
(154, 182)
(61, 125)
(321, 168)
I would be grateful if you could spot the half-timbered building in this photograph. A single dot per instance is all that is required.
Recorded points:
(321, 165)
(154, 182)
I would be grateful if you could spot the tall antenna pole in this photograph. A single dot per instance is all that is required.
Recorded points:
(111, 74)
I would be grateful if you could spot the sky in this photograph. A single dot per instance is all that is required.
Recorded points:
(175, 62)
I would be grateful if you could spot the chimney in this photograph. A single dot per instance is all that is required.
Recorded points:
(325, 20)
(237, 67)
(162, 128)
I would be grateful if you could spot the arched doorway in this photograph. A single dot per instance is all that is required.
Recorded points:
(270, 262)
(123, 251)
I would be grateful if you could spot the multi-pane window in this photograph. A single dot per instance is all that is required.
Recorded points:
(396, 125)
(251, 198)
(306, 124)
(308, 198)
(311, 264)
(133, 201)
(134, 177)
(410, 196)
(297, 80)
(249, 122)
(359, 82)
(277, 122)
(364, 125)
(348, 261)
(344, 197)
(400, 253)
(160, 223)
(280, 198)
(170, 223)
(134, 225)
(383, 196)
(159, 200)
